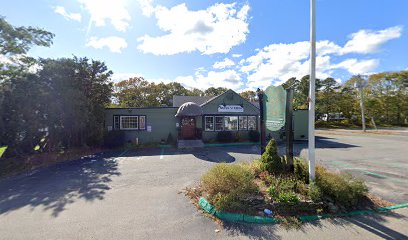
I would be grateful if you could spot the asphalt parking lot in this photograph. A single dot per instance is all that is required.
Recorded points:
(138, 194)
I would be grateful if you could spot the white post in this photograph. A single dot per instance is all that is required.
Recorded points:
(311, 151)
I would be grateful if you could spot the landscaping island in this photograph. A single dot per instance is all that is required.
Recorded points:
(266, 188)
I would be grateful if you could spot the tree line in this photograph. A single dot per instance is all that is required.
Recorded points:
(58, 105)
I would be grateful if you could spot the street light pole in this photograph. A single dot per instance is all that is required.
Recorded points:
(311, 135)
(360, 85)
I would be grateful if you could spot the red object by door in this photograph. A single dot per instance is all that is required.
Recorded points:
(188, 127)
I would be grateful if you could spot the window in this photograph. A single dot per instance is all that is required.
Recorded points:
(116, 122)
(243, 123)
(142, 122)
(251, 122)
(231, 123)
(219, 123)
(129, 122)
(209, 123)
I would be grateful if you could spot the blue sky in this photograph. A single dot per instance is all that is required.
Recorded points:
(234, 44)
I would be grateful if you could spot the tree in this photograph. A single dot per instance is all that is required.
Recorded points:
(14, 45)
(249, 95)
(212, 91)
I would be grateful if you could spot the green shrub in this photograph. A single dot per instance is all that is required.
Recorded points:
(226, 185)
(342, 188)
(314, 193)
(301, 169)
(225, 136)
(271, 161)
(283, 189)
(254, 136)
(114, 139)
(288, 197)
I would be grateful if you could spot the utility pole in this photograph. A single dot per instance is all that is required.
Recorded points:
(289, 127)
(360, 85)
(260, 94)
(312, 85)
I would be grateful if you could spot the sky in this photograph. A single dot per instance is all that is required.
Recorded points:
(241, 45)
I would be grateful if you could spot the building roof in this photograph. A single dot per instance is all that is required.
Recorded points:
(179, 100)
(189, 109)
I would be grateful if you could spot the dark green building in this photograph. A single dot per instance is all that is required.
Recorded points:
(199, 118)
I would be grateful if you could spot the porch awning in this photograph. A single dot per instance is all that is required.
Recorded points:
(189, 109)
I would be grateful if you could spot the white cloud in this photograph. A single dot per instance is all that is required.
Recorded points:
(236, 55)
(355, 66)
(214, 30)
(69, 16)
(115, 44)
(368, 41)
(228, 79)
(114, 11)
(224, 64)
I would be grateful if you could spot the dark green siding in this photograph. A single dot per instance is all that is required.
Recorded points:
(161, 120)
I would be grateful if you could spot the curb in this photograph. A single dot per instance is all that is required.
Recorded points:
(237, 217)
(231, 144)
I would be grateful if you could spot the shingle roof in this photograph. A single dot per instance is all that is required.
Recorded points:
(179, 100)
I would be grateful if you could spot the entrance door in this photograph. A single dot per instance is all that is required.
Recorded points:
(188, 127)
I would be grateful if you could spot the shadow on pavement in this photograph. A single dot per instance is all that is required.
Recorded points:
(55, 187)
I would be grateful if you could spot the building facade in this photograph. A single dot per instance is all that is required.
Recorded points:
(190, 117)
(194, 118)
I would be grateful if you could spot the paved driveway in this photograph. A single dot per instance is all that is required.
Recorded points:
(137, 195)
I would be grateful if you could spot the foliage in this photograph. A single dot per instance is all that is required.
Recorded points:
(170, 139)
(227, 185)
(64, 102)
(282, 189)
(342, 188)
(314, 192)
(271, 161)
(225, 136)
(15, 42)
(2, 150)
(212, 91)
(114, 139)
(385, 98)
(301, 169)
(254, 135)
(249, 95)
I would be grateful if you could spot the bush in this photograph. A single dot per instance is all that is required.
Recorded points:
(301, 169)
(227, 186)
(170, 139)
(225, 136)
(342, 188)
(271, 161)
(283, 189)
(314, 193)
(114, 139)
(254, 136)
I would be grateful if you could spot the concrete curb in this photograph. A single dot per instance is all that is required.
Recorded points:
(237, 217)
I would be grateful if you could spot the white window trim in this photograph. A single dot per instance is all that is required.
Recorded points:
(231, 130)
(243, 129)
(205, 123)
(215, 124)
(122, 128)
(256, 124)
(144, 125)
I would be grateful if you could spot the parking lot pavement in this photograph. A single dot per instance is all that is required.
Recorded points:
(138, 194)
(380, 158)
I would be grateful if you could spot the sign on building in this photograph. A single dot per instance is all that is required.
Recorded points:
(274, 107)
(230, 108)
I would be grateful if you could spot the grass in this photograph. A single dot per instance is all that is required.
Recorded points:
(2, 150)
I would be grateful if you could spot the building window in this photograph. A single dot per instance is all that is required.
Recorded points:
(129, 122)
(219, 123)
(209, 123)
(142, 122)
(243, 123)
(251, 122)
(231, 123)
(116, 122)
